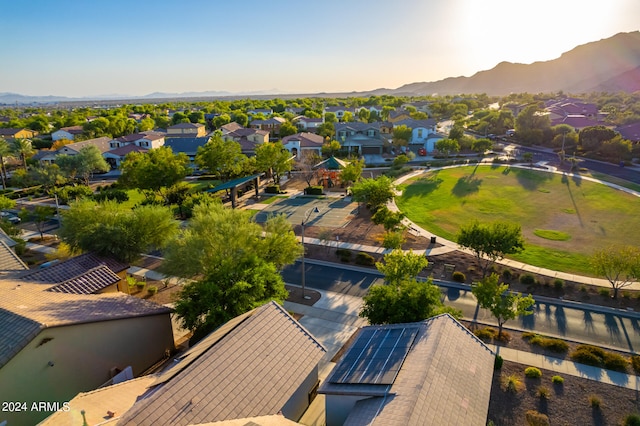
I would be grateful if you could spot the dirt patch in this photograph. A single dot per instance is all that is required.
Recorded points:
(571, 403)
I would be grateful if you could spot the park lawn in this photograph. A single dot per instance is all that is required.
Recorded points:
(135, 197)
(202, 185)
(589, 214)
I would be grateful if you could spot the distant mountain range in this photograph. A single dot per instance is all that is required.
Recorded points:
(608, 65)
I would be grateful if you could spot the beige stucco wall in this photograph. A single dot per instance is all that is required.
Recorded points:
(82, 356)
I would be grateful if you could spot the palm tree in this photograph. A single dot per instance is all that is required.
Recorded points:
(5, 152)
(23, 148)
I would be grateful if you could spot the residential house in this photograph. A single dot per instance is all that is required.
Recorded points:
(259, 364)
(361, 138)
(11, 133)
(420, 106)
(264, 111)
(68, 133)
(186, 130)
(295, 110)
(10, 262)
(371, 108)
(340, 110)
(398, 115)
(102, 143)
(308, 124)
(188, 146)
(423, 133)
(630, 132)
(579, 122)
(58, 343)
(248, 139)
(116, 156)
(148, 140)
(271, 125)
(139, 117)
(230, 127)
(433, 372)
(303, 142)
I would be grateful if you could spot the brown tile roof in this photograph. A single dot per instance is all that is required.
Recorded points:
(445, 379)
(186, 126)
(72, 268)
(306, 139)
(101, 143)
(249, 367)
(89, 282)
(124, 150)
(26, 308)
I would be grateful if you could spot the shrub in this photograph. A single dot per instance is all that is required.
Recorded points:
(152, 289)
(589, 355)
(632, 420)
(535, 418)
(459, 277)
(594, 401)
(344, 254)
(583, 288)
(533, 372)
(497, 363)
(543, 392)
(604, 292)
(118, 195)
(314, 190)
(507, 274)
(365, 259)
(635, 363)
(558, 284)
(527, 279)
(557, 380)
(615, 362)
(393, 240)
(272, 189)
(485, 334)
(626, 295)
(512, 383)
(555, 345)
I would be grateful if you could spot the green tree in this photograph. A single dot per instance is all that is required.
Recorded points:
(154, 169)
(88, 160)
(40, 215)
(146, 124)
(447, 146)
(352, 172)
(385, 217)
(237, 259)
(347, 117)
(330, 117)
(274, 159)
(532, 124)
(23, 149)
(617, 149)
(503, 304)
(331, 148)
(363, 115)
(374, 193)
(399, 266)
(401, 135)
(287, 129)
(326, 130)
(176, 194)
(241, 118)
(528, 157)
(481, 145)
(5, 152)
(221, 120)
(223, 159)
(619, 265)
(491, 242)
(112, 230)
(592, 138)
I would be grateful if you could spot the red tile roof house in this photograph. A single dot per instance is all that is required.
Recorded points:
(55, 342)
(259, 364)
(300, 142)
(433, 372)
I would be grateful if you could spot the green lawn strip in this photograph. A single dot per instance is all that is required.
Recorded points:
(591, 214)
(556, 260)
(273, 199)
(612, 179)
(550, 234)
(203, 185)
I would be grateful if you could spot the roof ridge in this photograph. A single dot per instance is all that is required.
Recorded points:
(296, 323)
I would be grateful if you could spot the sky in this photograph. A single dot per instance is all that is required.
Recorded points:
(84, 48)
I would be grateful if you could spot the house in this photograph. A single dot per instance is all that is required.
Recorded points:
(189, 146)
(579, 122)
(258, 364)
(255, 136)
(630, 132)
(148, 140)
(308, 124)
(398, 115)
(434, 372)
(58, 343)
(339, 111)
(420, 106)
(10, 262)
(49, 156)
(423, 133)
(264, 111)
(186, 130)
(11, 133)
(116, 156)
(295, 110)
(68, 133)
(271, 125)
(300, 142)
(361, 138)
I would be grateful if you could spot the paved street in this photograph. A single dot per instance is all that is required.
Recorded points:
(554, 317)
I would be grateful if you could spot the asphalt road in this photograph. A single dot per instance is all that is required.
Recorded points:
(571, 321)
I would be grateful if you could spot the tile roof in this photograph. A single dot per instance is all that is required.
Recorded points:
(186, 126)
(630, 131)
(101, 143)
(74, 130)
(89, 282)
(306, 139)
(275, 420)
(9, 260)
(124, 150)
(414, 124)
(444, 379)
(187, 145)
(230, 127)
(72, 268)
(7, 131)
(249, 367)
(26, 308)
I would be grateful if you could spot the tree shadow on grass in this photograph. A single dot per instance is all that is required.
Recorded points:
(423, 186)
(531, 180)
(466, 185)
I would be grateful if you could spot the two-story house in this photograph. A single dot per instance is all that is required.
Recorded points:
(68, 133)
(271, 125)
(186, 130)
(361, 138)
(423, 133)
(340, 110)
(303, 142)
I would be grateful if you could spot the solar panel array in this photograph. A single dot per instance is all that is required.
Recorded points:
(376, 357)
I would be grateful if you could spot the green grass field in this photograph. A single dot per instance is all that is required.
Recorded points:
(564, 219)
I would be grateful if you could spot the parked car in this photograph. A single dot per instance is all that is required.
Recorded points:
(422, 152)
(10, 217)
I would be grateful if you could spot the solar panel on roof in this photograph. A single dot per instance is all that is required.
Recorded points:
(375, 357)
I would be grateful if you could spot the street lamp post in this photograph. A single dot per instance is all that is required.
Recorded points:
(307, 214)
